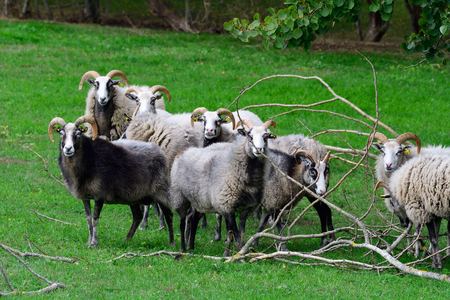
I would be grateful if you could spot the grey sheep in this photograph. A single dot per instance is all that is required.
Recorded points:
(224, 178)
(120, 172)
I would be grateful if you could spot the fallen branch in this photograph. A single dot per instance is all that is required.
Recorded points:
(45, 167)
(30, 254)
(55, 220)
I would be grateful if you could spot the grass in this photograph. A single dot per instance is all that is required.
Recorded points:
(40, 67)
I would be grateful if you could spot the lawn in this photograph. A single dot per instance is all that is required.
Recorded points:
(40, 67)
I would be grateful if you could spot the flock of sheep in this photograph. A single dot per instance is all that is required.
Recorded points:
(131, 151)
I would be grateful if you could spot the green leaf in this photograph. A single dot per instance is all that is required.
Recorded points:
(290, 2)
(236, 32)
(339, 3)
(298, 32)
(443, 29)
(270, 26)
(430, 57)
(289, 35)
(325, 11)
(307, 45)
(407, 37)
(279, 43)
(236, 22)
(441, 54)
(290, 24)
(351, 4)
(244, 23)
(285, 29)
(253, 33)
(410, 45)
(228, 26)
(282, 15)
(389, 1)
(256, 16)
(385, 16)
(271, 11)
(444, 61)
(265, 44)
(388, 9)
(420, 48)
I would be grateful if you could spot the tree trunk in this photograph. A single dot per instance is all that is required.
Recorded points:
(207, 4)
(187, 13)
(38, 15)
(106, 11)
(60, 10)
(92, 11)
(49, 12)
(81, 11)
(172, 17)
(25, 9)
(414, 15)
(377, 27)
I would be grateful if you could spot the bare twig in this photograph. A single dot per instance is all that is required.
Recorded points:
(45, 167)
(55, 220)
(29, 254)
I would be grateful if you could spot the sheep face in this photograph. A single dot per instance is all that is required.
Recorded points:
(397, 209)
(258, 136)
(393, 155)
(104, 88)
(146, 100)
(212, 122)
(314, 170)
(70, 138)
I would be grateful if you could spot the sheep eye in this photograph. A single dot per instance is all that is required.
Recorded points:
(399, 153)
(313, 173)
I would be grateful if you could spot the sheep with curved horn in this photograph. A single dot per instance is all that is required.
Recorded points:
(105, 104)
(121, 172)
(224, 178)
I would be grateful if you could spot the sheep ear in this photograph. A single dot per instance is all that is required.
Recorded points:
(82, 128)
(90, 81)
(128, 118)
(307, 162)
(377, 146)
(272, 136)
(406, 150)
(197, 118)
(241, 131)
(132, 97)
(116, 82)
(226, 119)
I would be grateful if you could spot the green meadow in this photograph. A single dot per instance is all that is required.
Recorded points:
(41, 64)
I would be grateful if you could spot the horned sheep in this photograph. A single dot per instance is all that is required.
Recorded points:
(224, 178)
(121, 172)
(105, 103)
(420, 192)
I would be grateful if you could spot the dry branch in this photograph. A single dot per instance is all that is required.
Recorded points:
(45, 167)
(55, 220)
(30, 254)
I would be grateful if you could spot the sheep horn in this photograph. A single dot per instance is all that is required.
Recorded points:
(87, 75)
(305, 154)
(90, 120)
(53, 122)
(115, 73)
(270, 123)
(160, 88)
(224, 111)
(198, 110)
(380, 137)
(327, 157)
(381, 184)
(409, 136)
(245, 122)
(131, 89)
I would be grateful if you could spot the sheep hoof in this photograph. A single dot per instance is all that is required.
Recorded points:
(324, 242)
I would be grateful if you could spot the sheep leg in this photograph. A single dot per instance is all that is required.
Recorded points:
(242, 220)
(230, 221)
(280, 231)
(218, 235)
(437, 262)
(204, 222)
(448, 237)
(324, 213)
(256, 214)
(168, 215)
(137, 218)
(98, 205)
(87, 211)
(262, 223)
(417, 230)
(182, 233)
(161, 215)
(144, 223)
(195, 218)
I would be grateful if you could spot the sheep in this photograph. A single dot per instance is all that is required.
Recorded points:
(420, 193)
(224, 178)
(105, 104)
(290, 144)
(121, 172)
(305, 168)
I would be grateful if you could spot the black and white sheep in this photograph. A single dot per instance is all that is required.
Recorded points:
(105, 103)
(224, 178)
(420, 193)
(121, 172)
(292, 143)
(306, 169)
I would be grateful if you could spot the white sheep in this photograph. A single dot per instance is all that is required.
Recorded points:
(105, 103)
(420, 192)
(121, 172)
(224, 178)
